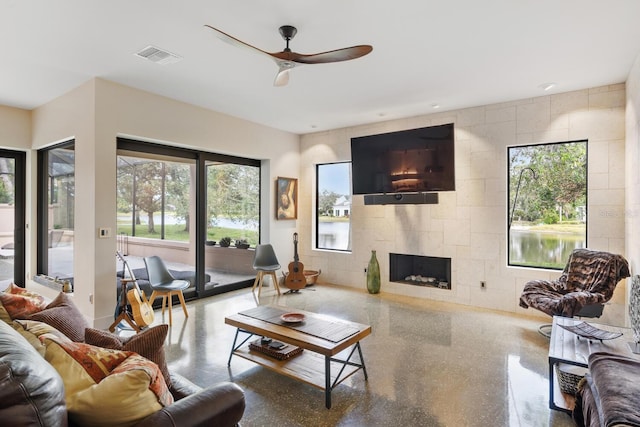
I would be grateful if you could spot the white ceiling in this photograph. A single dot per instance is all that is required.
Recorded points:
(455, 53)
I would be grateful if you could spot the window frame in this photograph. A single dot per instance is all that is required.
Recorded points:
(317, 204)
(20, 199)
(510, 210)
(201, 158)
(42, 251)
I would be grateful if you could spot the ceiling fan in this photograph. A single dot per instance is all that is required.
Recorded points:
(287, 59)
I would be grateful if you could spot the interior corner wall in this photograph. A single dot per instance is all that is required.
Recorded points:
(632, 154)
(99, 111)
(469, 225)
(71, 116)
(124, 111)
(15, 128)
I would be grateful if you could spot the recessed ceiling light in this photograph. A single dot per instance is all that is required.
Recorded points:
(547, 86)
(382, 114)
(435, 106)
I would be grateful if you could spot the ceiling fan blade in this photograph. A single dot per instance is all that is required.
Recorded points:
(282, 78)
(235, 42)
(337, 55)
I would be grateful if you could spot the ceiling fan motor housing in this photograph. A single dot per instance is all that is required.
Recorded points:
(288, 32)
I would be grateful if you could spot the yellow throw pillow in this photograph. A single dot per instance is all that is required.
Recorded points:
(106, 387)
(32, 330)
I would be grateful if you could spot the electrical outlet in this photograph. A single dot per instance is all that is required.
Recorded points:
(483, 284)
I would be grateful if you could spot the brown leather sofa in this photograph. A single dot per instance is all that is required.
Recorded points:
(32, 393)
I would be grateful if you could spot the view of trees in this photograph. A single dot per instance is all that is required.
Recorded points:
(233, 194)
(547, 203)
(148, 181)
(7, 173)
(326, 201)
(553, 182)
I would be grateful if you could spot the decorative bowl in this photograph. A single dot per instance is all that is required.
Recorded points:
(292, 317)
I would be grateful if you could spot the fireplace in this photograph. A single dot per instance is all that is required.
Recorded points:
(420, 270)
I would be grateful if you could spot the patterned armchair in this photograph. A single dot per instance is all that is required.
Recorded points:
(589, 278)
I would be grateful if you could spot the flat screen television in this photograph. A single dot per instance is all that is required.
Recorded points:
(409, 161)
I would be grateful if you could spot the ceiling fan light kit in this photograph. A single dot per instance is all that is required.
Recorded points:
(287, 59)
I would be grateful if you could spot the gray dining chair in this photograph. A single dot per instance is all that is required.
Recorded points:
(265, 262)
(164, 285)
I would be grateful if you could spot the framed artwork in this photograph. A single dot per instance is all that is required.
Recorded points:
(286, 198)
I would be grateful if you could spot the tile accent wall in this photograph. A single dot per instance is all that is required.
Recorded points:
(469, 225)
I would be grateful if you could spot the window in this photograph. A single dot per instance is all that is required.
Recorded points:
(333, 201)
(12, 220)
(233, 202)
(154, 197)
(547, 215)
(177, 203)
(56, 210)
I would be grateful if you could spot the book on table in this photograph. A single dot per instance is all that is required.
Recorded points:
(285, 352)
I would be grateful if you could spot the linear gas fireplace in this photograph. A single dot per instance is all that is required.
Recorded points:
(420, 270)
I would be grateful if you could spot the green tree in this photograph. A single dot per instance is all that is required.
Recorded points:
(559, 184)
(148, 190)
(233, 191)
(326, 201)
(178, 184)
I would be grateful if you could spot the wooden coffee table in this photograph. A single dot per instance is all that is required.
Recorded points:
(322, 338)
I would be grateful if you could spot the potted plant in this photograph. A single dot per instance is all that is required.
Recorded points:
(225, 242)
(242, 244)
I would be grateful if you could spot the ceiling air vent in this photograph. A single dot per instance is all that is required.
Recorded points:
(158, 55)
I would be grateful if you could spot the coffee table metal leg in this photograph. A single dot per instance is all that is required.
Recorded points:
(327, 382)
(234, 347)
(364, 368)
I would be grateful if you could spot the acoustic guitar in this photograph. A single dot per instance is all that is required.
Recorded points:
(142, 311)
(295, 280)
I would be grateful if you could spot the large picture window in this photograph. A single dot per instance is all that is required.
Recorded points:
(333, 201)
(547, 209)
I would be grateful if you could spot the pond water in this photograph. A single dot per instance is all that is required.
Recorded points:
(535, 248)
(333, 235)
(542, 248)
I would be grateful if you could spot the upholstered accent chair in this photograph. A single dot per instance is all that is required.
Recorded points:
(586, 283)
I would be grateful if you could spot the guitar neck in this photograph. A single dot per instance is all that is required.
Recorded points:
(295, 248)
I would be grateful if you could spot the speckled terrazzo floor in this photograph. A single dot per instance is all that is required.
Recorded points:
(429, 363)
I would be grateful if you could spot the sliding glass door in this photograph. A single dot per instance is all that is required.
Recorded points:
(180, 205)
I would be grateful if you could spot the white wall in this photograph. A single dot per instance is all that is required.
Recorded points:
(15, 128)
(469, 225)
(99, 111)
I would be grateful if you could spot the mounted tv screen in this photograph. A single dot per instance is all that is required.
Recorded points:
(410, 161)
